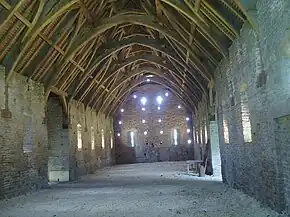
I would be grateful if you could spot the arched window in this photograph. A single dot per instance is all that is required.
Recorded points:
(79, 137)
(205, 134)
(175, 136)
(103, 138)
(246, 122)
(112, 141)
(92, 138)
(226, 130)
(201, 135)
(132, 139)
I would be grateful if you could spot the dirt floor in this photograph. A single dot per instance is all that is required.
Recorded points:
(157, 189)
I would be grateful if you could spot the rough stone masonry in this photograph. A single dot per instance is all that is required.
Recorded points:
(154, 146)
(253, 87)
(38, 141)
(42, 141)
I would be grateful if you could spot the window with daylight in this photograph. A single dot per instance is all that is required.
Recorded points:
(103, 138)
(112, 141)
(176, 136)
(226, 130)
(201, 135)
(159, 99)
(131, 139)
(205, 134)
(92, 138)
(143, 100)
(194, 137)
(247, 129)
(79, 137)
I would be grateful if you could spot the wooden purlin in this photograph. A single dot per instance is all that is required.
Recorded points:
(87, 69)
(172, 21)
(134, 86)
(27, 23)
(117, 96)
(68, 75)
(36, 17)
(114, 50)
(158, 61)
(135, 19)
(104, 69)
(204, 73)
(196, 8)
(42, 36)
(53, 79)
(215, 13)
(87, 13)
(24, 19)
(152, 70)
(103, 93)
(11, 13)
(233, 10)
(51, 56)
(246, 13)
(95, 81)
(41, 24)
(29, 51)
(199, 21)
(12, 27)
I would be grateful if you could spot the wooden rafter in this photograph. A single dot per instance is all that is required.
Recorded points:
(93, 54)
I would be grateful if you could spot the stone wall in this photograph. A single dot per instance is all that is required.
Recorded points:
(253, 88)
(39, 140)
(23, 136)
(87, 159)
(66, 160)
(153, 146)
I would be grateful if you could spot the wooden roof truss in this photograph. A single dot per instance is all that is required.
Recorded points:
(97, 52)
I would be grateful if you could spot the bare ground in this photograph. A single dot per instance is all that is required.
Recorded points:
(157, 189)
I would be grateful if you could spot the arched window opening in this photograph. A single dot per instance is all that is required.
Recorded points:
(112, 141)
(132, 139)
(197, 137)
(201, 135)
(205, 134)
(194, 137)
(79, 137)
(176, 136)
(246, 123)
(103, 138)
(92, 138)
(226, 130)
